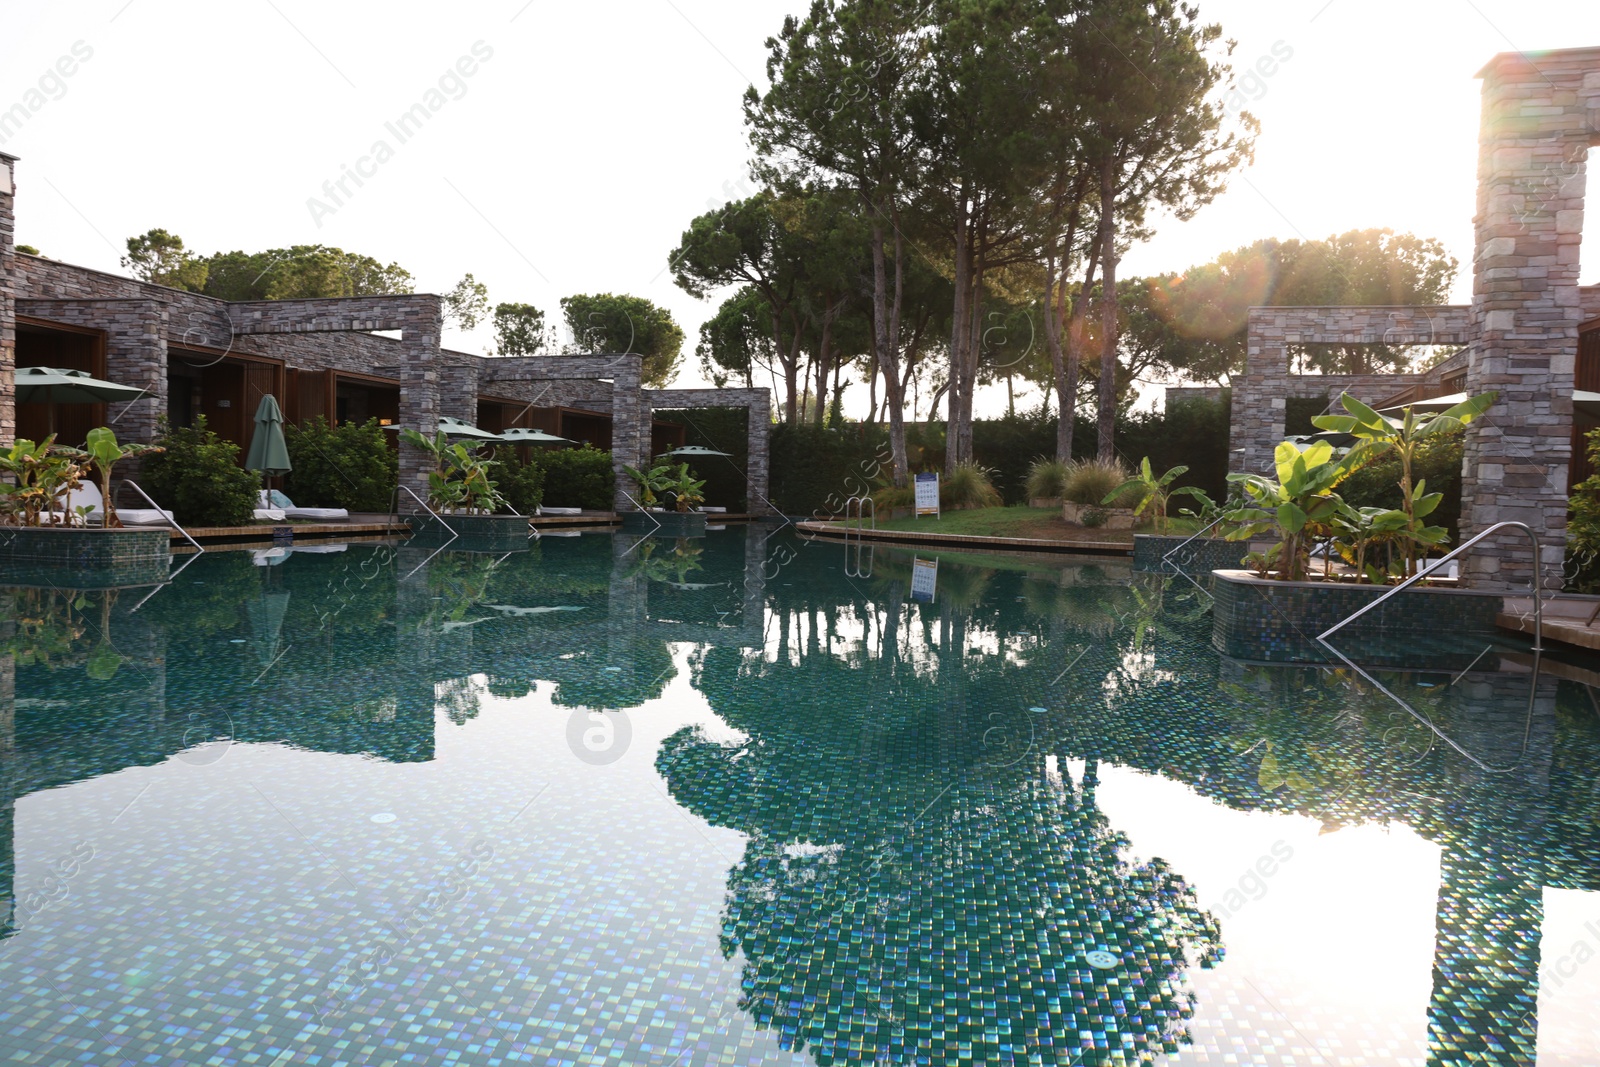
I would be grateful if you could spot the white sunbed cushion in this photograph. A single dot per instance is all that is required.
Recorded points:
(269, 514)
(560, 511)
(145, 517)
(323, 514)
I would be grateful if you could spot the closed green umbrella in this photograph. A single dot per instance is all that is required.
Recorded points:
(268, 452)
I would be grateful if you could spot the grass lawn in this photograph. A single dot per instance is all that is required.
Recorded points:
(1037, 523)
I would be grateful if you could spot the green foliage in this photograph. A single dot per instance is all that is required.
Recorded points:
(197, 477)
(1007, 447)
(1191, 432)
(302, 272)
(1583, 527)
(36, 474)
(460, 479)
(102, 449)
(521, 484)
(1094, 517)
(606, 323)
(519, 330)
(1047, 479)
(466, 303)
(1378, 435)
(160, 258)
(814, 471)
(968, 486)
(1153, 492)
(724, 430)
(578, 478)
(1299, 507)
(1094, 482)
(667, 480)
(1438, 460)
(350, 466)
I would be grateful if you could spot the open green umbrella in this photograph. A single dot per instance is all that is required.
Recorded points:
(453, 427)
(692, 451)
(55, 385)
(268, 452)
(519, 435)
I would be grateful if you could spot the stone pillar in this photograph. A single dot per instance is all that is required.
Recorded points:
(8, 303)
(1260, 395)
(758, 489)
(419, 385)
(630, 427)
(458, 391)
(136, 354)
(1540, 115)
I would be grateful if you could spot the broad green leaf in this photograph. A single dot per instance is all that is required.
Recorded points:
(1291, 518)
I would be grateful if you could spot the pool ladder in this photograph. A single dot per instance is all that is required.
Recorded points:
(860, 564)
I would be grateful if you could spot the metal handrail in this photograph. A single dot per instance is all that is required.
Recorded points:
(1538, 614)
(173, 520)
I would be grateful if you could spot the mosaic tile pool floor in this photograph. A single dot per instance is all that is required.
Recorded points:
(681, 803)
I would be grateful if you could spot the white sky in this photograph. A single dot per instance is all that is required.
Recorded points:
(580, 151)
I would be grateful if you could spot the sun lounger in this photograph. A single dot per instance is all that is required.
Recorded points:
(88, 495)
(559, 511)
(277, 500)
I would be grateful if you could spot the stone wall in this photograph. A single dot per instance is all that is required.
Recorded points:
(8, 311)
(1541, 113)
(1260, 395)
(136, 354)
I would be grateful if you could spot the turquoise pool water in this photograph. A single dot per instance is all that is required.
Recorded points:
(752, 800)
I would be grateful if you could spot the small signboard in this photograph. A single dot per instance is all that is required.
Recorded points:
(928, 495)
(924, 580)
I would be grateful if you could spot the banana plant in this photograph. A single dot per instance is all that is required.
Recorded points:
(1360, 530)
(1154, 492)
(1378, 434)
(652, 483)
(686, 489)
(1300, 506)
(104, 451)
(39, 473)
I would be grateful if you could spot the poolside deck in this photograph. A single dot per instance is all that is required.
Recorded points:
(839, 531)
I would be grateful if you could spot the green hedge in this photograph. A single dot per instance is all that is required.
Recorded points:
(578, 478)
(815, 470)
(353, 466)
(521, 484)
(725, 430)
(198, 477)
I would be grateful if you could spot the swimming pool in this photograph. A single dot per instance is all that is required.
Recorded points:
(748, 799)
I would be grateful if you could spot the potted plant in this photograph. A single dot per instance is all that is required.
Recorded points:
(465, 498)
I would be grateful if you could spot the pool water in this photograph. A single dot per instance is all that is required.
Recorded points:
(749, 799)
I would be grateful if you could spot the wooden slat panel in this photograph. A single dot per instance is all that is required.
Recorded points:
(1588, 376)
(313, 389)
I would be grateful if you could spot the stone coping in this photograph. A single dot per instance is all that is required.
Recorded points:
(1017, 544)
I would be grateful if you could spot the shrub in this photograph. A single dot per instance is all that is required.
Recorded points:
(1047, 479)
(1093, 517)
(520, 484)
(1090, 481)
(198, 477)
(1007, 445)
(968, 486)
(350, 466)
(578, 478)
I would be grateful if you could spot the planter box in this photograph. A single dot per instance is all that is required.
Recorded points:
(78, 557)
(1197, 558)
(1044, 502)
(1278, 622)
(666, 523)
(477, 533)
(1116, 518)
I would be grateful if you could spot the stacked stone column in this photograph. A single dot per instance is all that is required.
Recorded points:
(8, 310)
(630, 428)
(421, 323)
(1540, 115)
(458, 391)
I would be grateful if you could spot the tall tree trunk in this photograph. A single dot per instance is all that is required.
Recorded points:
(960, 313)
(886, 340)
(824, 357)
(1108, 310)
(872, 391)
(1077, 341)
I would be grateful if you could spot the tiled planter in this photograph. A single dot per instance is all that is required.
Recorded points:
(1278, 622)
(1116, 518)
(672, 523)
(476, 533)
(84, 557)
(1198, 556)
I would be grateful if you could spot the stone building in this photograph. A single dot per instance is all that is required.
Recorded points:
(196, 355)
(1531, 333)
